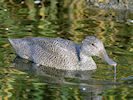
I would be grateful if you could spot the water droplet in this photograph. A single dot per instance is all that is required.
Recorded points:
(84, 89)
(5, 9)
(22, 2)
(7, 29)
(131, 21)
(37, 1)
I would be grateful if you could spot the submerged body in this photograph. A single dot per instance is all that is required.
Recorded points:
(60, 53)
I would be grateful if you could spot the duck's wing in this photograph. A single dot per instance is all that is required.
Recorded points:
(54, 52)
(53, 44)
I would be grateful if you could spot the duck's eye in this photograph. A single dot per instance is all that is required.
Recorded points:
(93, 44)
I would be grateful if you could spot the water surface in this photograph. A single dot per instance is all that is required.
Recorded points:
(23, 80)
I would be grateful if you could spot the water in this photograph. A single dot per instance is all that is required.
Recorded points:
(23, 80)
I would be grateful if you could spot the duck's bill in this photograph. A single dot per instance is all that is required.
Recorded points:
(105, 56)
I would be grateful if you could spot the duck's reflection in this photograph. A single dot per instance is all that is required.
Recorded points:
(85, 83)
(27, 66)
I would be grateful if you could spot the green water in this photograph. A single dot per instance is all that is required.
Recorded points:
(22, 80)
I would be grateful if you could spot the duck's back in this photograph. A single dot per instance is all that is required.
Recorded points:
(52, 52)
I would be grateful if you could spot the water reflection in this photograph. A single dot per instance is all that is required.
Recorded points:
(71, 19)
(72, 83)
(25, 65)
(81, 79)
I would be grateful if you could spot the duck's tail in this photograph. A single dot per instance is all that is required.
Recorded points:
(11, 41)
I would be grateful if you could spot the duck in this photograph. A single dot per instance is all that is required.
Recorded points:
(61, 53)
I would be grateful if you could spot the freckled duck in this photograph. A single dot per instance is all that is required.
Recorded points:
(61, 53)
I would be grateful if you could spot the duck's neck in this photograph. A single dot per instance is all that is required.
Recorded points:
(78, 49)
(86, 61)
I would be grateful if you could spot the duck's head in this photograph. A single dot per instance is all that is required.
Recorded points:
(92, 46)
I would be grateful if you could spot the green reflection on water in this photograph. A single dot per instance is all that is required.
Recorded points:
(73, 20)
